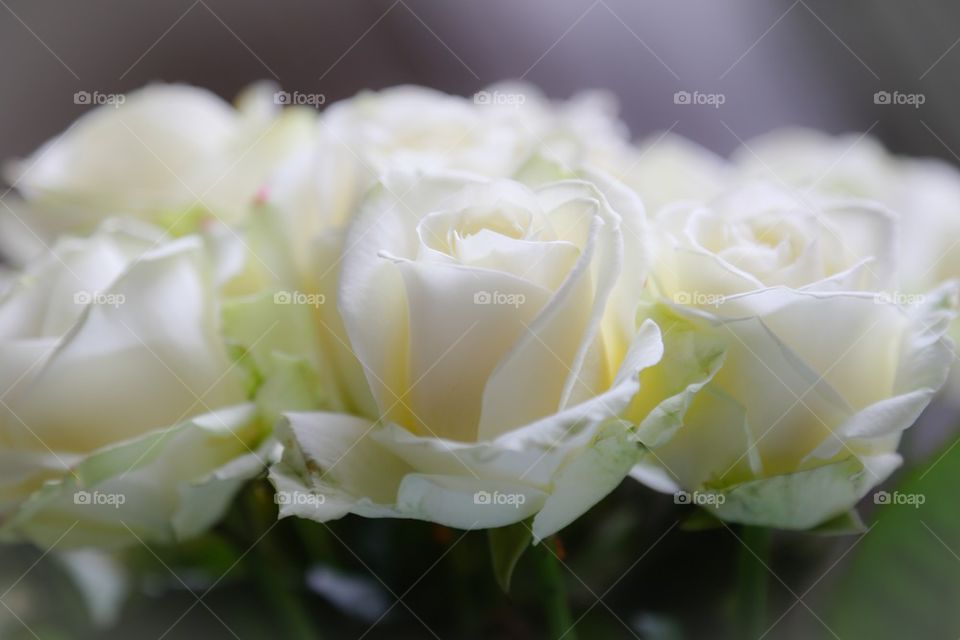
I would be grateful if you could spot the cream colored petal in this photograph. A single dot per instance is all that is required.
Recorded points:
(163, 486)
(161, 334)
(546, 368)
(462, 322)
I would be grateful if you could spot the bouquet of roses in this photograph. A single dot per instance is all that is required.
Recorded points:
(480, 312)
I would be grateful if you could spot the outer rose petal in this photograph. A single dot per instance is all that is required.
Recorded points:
(175, 483)
(166, 152)
(803, 419)
(560, 465)
(805, 499)
(371, 289)
(162, 337)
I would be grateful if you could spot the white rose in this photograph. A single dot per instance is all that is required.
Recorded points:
(665, 168)
(166, 153)
(120, 409)
(315, 193)
(486, 316)
(494, 133)
(569, 132)
(760, 235)
(925, 193)
(930, 204)
(822, 371)
(848, 165)
(400, 127)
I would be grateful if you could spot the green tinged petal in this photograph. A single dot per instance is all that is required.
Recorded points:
(691, 359)
(803, 499)
(162, 487)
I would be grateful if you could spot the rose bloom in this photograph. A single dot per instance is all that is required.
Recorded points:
(664, 168)
(121, 414)
(496, 333)
(924, 192)
(495, 133)
(501, 132)
(822, 370)
(166, 153)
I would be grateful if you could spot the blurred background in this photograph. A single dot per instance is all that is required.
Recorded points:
(809, 62)
(815, 62)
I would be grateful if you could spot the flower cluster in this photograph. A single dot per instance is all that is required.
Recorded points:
(472, 311)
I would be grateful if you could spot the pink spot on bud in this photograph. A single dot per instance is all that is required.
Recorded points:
(263, 194)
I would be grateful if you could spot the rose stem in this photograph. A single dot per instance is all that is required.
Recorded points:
(553, 592)
(269, 566)
(754, 559)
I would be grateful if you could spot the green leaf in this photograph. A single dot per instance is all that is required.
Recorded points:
(507, 544)
(903, 577)
(849, 523)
